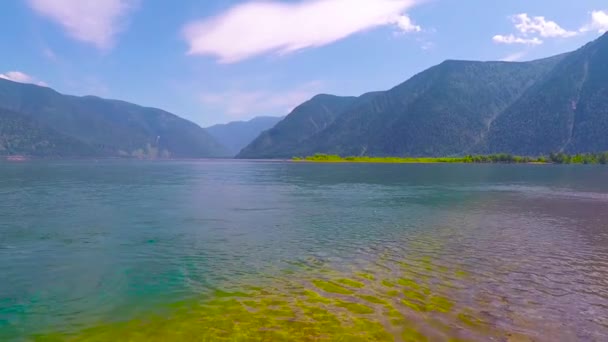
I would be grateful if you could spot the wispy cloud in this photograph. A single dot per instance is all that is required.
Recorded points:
(270, 26)
(532, 29)
(514, 57)
(21, 77)
(599, 22)
(512, 39)
(541, 26)
(49, 54)
(243, 104)
(96, 22)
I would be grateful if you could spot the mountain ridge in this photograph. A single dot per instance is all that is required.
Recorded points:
(110, 127)
(236, 135)
(459, 107)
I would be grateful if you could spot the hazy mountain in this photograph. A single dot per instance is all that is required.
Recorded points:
(303, 122)
(107, 127)
(238, 134)
(460, 107)
(21, 135)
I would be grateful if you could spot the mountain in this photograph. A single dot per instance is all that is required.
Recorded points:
(566, 111)
(106, 127)
(236, 135)
(21, 135)
(292, 133)
(459, 107)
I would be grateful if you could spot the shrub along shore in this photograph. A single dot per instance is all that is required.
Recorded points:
(553, 158)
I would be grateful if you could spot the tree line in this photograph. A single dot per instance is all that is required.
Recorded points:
(500, 158)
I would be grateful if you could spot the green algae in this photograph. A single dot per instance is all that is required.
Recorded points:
(393, 293)
(413, 335)
(360, 306)
(320, 314)
(392, 312)
(273, 301)
(414, 306)
(440, 304)
(374, 329)
(461, 274)
(250, 303)
(331, 287)
(280, 312)
(230, 294)
(388, 283)
(351, 283)
(414, 295)
(470, 320)
(373, 299)
(404, 264)
(366, 275)
(314, 297)
(408, 283)
(355, 308)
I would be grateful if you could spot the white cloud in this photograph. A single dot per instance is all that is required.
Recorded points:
(239, 104)
(259, 27)
(514, 57)
(531, 28)
(18, 76)
(406, 25)
(511, 39)
(599, 22)
(91, 21)
(541, 26)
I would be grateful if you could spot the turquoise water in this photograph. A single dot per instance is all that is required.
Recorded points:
(501, 251)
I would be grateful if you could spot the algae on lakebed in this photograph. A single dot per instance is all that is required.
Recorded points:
(390, 304)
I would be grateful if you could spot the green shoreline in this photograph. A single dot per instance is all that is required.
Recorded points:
(553, 158)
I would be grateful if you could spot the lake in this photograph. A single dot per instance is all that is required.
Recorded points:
(241, 250)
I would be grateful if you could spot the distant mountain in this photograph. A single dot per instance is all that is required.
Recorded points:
(292, 133)
(21, 135)
(105, 127)
(460, 107)
(238, 134)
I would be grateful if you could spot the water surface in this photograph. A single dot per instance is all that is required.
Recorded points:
(269, 250)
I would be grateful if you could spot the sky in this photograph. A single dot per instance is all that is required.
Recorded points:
(215, 61)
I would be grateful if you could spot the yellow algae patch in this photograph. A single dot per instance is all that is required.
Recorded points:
(374, 329)
(314, 305)
(366, 275)
(388, 283)
(351, 283)
(461, 274)
(413, 306)
(393, 293)
(412, 335)
(331, 287)
(314, 297)
(373, 299)
(470, 320)
(392, 312)
(355, 308)
(320, 314)
(414, 295)
(440, 304)
(409, 283)
(273, 301)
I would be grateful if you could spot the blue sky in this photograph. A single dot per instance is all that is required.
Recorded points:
(214, 61)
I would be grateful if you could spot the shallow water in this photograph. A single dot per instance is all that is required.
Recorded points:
(239, 250)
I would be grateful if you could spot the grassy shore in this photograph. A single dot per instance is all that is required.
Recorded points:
(559, 158)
